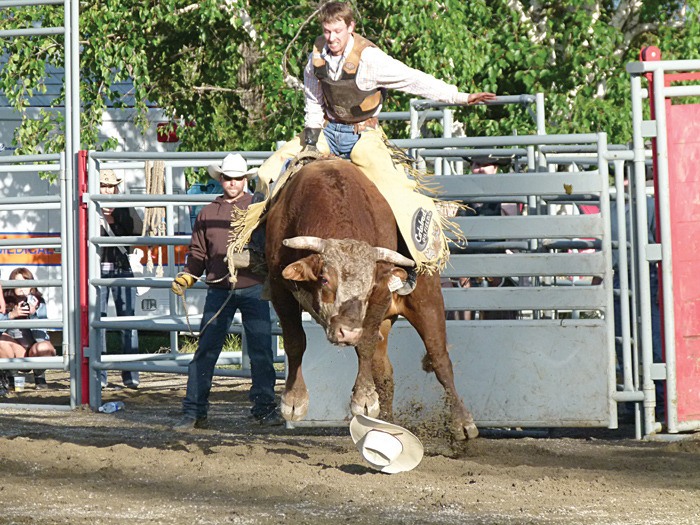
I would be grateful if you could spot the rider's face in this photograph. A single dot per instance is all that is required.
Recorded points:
(337, 35)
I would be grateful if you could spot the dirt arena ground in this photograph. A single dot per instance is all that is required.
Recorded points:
(82, 467)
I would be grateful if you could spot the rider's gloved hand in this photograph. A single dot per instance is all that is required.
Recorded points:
(310, 138)
(181, 283)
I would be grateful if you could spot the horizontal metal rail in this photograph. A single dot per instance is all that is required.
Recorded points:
(158, 240)
(27, 3)
(517, 140)
(169, 323)
(18, 159)
(39, 31)
(501, 100)
(526, 265)
(56, 324)
(173, 155)
(170, 369)
(532, 226)
(517, 184)
(525, 298)
(34, 363)
(31, 168)
(31, 242)
(38, 283)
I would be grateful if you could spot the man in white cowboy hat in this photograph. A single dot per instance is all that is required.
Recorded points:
(234, 166)
(207, 253)
(386, 447)
(114, 263)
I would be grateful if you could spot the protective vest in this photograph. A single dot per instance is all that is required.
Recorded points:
(343, 99)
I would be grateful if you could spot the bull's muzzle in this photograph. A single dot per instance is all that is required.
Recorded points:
(346, 327)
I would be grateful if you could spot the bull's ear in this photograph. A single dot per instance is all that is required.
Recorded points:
(306, 269)
(400, 273)
(386, 271)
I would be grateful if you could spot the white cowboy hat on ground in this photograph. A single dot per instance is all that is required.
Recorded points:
(109, 178)
(387, 447)
(233, 166)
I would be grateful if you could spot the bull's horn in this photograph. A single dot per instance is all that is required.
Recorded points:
(385, 254)
(315, 244)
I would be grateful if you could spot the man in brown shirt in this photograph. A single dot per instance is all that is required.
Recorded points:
(207, 253)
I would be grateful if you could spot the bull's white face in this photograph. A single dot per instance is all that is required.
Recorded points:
(343, 278)
(347, 280)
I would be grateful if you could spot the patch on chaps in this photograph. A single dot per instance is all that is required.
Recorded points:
(420, 225)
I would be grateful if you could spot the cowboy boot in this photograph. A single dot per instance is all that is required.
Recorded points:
(5, 387)
(40, 380)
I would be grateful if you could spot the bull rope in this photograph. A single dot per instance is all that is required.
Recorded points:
(184, 302)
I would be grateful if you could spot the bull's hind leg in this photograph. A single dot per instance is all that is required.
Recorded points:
(295, 399)
(425, 310)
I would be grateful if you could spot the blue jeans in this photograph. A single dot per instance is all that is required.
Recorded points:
(124, 304)
(256, 323)
(341, 138)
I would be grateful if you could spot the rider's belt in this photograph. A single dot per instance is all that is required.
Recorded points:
(357, 127)
(370, 123)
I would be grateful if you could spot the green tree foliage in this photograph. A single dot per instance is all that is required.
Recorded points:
(219, 63)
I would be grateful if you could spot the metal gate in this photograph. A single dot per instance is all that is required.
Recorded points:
(674, 129)
(64, 200)
(554, 366)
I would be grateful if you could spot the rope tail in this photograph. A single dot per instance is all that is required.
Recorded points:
(154, 218)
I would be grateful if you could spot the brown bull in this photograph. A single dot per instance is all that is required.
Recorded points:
(331, 249)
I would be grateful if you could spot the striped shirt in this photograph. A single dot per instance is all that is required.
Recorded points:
(376, 70)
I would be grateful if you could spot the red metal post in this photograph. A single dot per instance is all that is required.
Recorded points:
(683, 154)
(83, 277)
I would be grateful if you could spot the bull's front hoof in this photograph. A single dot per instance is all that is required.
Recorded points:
(367, 405)
(294, 408)
(462, 426)
(464, 431)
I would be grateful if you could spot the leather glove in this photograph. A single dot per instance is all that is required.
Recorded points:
(310, 138)
(181, 283)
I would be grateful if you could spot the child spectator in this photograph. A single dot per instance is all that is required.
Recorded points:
(25, 303)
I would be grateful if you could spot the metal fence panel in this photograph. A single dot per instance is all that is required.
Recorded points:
(523, 375)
